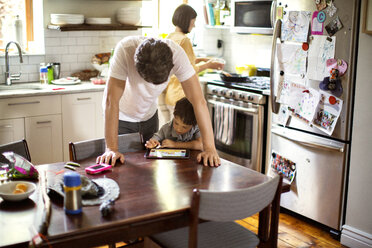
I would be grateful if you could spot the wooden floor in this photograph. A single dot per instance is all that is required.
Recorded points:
(293, 232)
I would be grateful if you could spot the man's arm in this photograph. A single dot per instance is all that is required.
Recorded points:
(115, 89)
(194, 94)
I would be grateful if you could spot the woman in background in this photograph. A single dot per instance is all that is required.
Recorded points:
(184, 18)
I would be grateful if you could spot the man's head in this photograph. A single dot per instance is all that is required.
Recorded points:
(184, 117)
(154, 60)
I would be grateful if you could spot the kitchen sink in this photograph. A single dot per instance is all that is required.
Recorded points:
(25, 86)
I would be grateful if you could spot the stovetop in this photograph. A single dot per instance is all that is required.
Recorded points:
(255, 84)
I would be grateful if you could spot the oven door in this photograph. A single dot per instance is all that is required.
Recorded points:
(246, 146)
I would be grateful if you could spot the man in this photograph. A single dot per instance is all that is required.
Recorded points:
(139, 71)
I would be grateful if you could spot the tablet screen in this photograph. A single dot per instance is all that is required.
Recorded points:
(167, 153)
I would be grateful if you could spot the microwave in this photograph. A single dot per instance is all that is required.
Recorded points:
(253, 16)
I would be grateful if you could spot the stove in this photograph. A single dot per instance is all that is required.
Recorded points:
(255, 84)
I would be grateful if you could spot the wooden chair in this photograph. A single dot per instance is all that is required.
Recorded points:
(217, 211)
(20, 147)
(93, 148)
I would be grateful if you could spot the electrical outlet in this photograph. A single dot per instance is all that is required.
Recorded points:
(219, 43)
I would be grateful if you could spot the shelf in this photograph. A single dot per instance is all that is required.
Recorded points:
(81, 27)
(218, 26)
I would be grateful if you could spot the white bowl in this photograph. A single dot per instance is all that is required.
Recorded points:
(6, 191)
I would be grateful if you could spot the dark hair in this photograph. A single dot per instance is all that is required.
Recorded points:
(185, 111)
(154, 60)
(182, 17)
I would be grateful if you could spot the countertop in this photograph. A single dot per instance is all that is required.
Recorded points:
(37, 89)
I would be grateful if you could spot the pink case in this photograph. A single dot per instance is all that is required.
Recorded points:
(92, 170)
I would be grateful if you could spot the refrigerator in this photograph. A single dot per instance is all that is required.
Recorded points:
(311, 105)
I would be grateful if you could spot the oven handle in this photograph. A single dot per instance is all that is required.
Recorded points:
(248, 110)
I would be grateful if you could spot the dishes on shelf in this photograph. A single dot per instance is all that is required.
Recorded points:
(129, 16)
(98, 21)
(62, 19)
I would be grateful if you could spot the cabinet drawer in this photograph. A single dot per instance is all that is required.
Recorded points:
(30, 106)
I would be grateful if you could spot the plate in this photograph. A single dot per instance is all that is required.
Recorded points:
(66, 81)
(6, 191)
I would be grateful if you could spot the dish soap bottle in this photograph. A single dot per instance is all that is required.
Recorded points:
(216, 12)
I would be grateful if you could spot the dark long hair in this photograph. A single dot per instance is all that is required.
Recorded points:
(182, 17)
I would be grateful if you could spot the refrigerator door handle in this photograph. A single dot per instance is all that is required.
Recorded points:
(276, 34)
(273, 13)
(304, 141)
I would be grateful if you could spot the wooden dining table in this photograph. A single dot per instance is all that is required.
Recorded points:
(155, 196)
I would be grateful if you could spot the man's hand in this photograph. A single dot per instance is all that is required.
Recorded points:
(209, 157)
(168, 143)
(110, 155)
(151, 143)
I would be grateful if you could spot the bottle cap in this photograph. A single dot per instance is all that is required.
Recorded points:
(43, 69)
(71, 179)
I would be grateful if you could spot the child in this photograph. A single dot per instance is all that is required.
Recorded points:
(181, 132)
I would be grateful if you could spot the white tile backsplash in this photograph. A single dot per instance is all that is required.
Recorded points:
(73, 49)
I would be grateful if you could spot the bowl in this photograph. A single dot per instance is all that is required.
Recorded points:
(6, 190)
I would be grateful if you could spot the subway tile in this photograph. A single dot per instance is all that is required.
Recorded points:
(76, 34)
(53, 41)
(84, 41)
(36, 59)
(69, 58)
(68, 41)
(30, 68)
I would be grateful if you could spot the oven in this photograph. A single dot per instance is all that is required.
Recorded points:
(238, 124)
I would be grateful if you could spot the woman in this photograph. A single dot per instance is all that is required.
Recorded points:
(184, 18)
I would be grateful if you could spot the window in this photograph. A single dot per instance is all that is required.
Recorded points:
(18, 20)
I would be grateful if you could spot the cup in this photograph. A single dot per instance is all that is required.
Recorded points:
(56, 70)
(219, 60)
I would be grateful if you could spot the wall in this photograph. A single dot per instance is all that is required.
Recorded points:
(73, 50)
(238, 49)
(357, 231)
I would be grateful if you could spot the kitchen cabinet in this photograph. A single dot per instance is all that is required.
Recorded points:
(12, 130)
(38, 120)
(44, 138)
(82, 118)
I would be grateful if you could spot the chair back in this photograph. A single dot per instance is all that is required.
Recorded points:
(93, 148)
(237, 204)
(20, 147)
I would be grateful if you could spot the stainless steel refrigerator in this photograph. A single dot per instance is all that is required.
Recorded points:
(320, 159)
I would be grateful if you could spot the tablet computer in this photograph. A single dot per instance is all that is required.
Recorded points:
(167, 153)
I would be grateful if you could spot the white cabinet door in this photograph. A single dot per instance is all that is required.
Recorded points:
(12, 130)
(44, 138)
(81, 118)
(99, 115)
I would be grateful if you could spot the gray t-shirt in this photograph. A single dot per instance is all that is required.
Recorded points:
(167, 132)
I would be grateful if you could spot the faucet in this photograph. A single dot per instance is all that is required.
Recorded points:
(9, 77)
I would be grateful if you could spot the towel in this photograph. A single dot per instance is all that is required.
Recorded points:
(224, 123)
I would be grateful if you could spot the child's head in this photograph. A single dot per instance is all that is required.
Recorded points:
(184, 117)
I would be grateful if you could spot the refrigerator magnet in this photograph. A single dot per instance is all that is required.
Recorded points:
(320, 4)
(334, 26)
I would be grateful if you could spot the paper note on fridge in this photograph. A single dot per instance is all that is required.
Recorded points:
(295, 26)
(321, 49)
(291, 58)
(327, 112)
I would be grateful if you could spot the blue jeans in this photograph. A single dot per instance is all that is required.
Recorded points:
(145, 128)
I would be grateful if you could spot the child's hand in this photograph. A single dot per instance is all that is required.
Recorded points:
(168, 143)
(152, 143)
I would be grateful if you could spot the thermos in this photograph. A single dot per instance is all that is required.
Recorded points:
(72, 188)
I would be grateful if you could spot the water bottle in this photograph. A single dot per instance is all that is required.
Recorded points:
(72, 188)
(44, 75)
